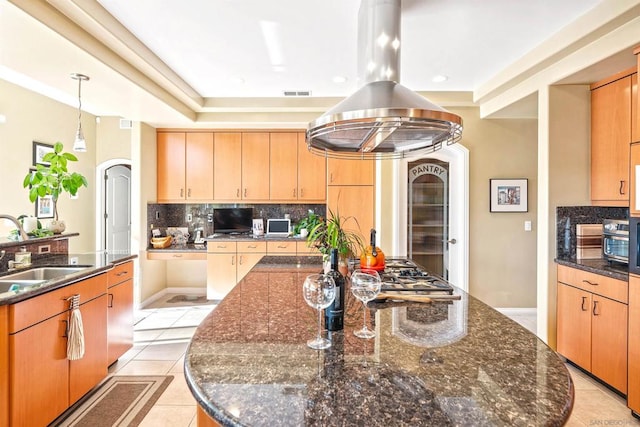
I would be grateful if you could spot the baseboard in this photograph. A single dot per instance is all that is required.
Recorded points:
(158, 295)
(518, 311)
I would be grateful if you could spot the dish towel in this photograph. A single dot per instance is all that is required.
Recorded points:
(75, 337)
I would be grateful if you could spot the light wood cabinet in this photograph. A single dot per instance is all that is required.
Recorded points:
(283, 170)
(633, 375)
(185, 166)
(119, 311)
(610, 139)
(635, 122)
(351, 172)
(356, 201)
(227, 166)
(37, 352)
(312, 173)
(228, 262)
(255, 166)
(592, 327)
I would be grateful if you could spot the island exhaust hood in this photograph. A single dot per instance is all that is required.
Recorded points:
(383, 119)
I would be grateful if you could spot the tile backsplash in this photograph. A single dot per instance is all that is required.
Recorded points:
(163, 215)
(567, 217)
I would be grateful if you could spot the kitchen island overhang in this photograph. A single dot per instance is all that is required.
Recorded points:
(445, 363)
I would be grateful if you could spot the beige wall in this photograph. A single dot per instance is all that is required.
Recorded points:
(113, 142)
(30, 117)
(502, 260)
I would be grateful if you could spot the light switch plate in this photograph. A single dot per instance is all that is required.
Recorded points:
(527, 226)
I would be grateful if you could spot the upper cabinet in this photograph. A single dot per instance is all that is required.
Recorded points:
(235, 166)
(610, 139)
(255, 166)
(295, 173)
(185, 166)
(351, 172)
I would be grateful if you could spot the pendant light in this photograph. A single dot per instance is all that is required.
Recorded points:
(79, 144)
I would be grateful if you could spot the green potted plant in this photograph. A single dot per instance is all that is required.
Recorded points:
(307, 223)
(54, 179)
(333, 234)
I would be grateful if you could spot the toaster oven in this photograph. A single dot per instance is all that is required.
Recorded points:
(615, 240)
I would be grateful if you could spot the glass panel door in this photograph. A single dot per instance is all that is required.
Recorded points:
(428, 213)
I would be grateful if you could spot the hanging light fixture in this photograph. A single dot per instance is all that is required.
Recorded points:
(79, 144)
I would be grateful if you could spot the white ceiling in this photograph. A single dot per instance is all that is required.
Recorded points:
(174, 63)
(218, 46)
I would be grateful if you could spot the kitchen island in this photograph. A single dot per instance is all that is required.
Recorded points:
(445, 363)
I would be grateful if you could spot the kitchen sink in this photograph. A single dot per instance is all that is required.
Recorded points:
(42, 273)
(18, 285)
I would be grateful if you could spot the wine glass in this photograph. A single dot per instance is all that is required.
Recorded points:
(365, 287)
(319, 291)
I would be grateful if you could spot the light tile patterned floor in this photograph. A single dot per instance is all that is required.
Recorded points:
(162, 336)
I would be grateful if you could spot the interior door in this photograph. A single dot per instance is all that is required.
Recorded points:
(117, 215)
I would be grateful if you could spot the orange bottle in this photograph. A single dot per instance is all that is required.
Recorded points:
(372, 258)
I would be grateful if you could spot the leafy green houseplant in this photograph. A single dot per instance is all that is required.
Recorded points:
(307, 223)
(333, 234)
(54, 179)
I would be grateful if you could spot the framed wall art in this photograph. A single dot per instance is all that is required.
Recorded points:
(45, 207)
(508, 195)
(39, 150)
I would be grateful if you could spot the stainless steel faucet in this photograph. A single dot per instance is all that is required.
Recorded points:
(22, 236)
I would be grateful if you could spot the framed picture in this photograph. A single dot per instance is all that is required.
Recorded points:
(39, 150)
(508, 195)
(45, 207)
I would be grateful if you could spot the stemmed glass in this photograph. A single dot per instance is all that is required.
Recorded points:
(319, 291)
(365, 287)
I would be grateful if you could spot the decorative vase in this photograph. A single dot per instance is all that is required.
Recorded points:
(57, 226)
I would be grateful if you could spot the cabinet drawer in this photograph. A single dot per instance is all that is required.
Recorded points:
(120, 273)
(34, 310)
(221, 247)
(252, 247)
(303, 249)
(281, 247)
(177, 256)
(600, 285)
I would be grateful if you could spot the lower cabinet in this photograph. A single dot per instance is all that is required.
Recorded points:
(592, 324)
(119, 311)
(228, 262)
(38, 352)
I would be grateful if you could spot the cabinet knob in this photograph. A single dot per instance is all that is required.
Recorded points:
(238, 193)
(245, 192)
(240, 261)
(302, 192)
(294, 192)
(110, 304)
(182, 192)
(621, 187)
(590, 283)
(584, 300)
(189, 192)
(595, 306)
(233, 260)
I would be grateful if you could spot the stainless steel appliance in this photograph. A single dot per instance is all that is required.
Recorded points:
(403, 275)
(615, 240)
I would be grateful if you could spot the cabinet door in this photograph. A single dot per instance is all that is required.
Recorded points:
(246, 261)
(609, 342)
(350, 172)
(171, 164)
(635, 125)
(221, 274)
(610, 138)
(255, 166)
(312, 173)
(633, 392)
(227, 166)
(283, 166)
(86, 373)
(355, 201)
(120, 320)
(39, 373)
(574, 325)
(199, 167)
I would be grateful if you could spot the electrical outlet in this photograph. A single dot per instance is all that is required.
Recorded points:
(210, 217)
(157, 215)
(73, 260)
(189, 217)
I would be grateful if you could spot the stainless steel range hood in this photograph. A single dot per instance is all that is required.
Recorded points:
(383, 119)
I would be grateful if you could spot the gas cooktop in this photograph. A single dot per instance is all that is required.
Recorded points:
(406, 276)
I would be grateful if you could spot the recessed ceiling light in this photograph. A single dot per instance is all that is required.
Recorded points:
(339, 79)
(439, 79)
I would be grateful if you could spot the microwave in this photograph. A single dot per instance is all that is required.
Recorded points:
(615, 240)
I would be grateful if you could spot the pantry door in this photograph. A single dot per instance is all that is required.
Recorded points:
(117, 215)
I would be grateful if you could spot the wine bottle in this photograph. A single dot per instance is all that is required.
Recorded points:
(334, 314)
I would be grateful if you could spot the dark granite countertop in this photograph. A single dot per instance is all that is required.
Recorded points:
(93, 263)
(598, 266)
(445, 363)
(192, 247)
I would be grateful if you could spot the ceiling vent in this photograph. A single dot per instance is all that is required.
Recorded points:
(297, 93)
(383, 119)
(126, 124)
